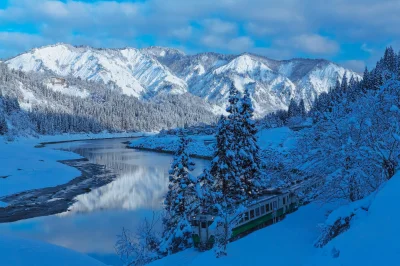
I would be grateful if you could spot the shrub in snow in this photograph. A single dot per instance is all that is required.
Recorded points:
(142, 247)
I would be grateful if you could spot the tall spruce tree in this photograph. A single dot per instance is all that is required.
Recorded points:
(248, 154)
(366, 81)
(302, 108)
(293, 108)
(179, 202)
(3, 125)
(223, 166)
(233, 130)
(344, 85)
(205, 191)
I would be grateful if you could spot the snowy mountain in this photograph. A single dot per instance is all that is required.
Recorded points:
(145, 73)
(136, 73)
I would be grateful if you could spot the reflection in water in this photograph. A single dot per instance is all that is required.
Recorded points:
(98, 216)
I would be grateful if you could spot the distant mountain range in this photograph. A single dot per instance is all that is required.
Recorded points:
(146, 73)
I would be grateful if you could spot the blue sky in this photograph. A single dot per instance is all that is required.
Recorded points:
(353, 33)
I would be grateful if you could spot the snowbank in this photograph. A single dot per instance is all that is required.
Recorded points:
(23, 167)
(203, 145)
(200, 146)
(373, 238)
(21, 252)
(86, 136)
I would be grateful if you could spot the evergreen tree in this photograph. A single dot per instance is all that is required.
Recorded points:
(344, 84)
(179, 202)
(223, 167)
(293, 109)
(366, 81)
(249, 151)
(335, 92)
(205, 191)
(302, 108)
(3, 125)
(389, 59)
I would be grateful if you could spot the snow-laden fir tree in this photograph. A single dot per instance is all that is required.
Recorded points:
(3, 124)
(205, 191)
(223, 166)
(302, 109)
(248, 154)
(179, 202)
(293, 109)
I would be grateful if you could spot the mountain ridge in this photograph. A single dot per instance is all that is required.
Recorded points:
(147, 72)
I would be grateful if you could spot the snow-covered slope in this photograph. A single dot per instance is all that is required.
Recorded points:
(21, 252)
(373, 237)
(147, 72)
(371, 240)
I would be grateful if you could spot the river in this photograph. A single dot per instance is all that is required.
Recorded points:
(97, 217)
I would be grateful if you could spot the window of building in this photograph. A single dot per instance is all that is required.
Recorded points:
(267, 207)
(284, 200)
(203, 224)
(246, 216)
(251, 214)
(257, 212)
(262, 209)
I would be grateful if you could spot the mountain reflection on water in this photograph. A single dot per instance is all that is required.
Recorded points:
(97, 217)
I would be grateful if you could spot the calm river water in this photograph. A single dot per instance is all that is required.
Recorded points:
(98, 216)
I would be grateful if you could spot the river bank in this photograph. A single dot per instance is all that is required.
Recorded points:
(37, 181)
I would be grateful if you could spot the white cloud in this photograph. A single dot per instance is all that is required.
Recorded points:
(315, 44)
(365, 48)
(355, 65)
(240, 44)
(237, 44)
(182, 33)
(217, 26)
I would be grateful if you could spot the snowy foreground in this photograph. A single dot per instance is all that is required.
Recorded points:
(371, 240)
(22, 252)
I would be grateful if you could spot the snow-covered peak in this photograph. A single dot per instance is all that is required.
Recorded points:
(243, 64)
(159, 51)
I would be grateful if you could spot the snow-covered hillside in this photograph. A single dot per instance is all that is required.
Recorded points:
(144, 73)
(370, 241)
(21, 252)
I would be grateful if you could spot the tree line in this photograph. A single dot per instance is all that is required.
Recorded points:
(105, 108)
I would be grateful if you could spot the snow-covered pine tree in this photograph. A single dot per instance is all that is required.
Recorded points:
(302, 108)
(205, 191)
(179, 202)
(223, 166)
(3, 125)
(248, 155)
(293, 108)
(233, 125)
(365, 84)
(344, 84)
